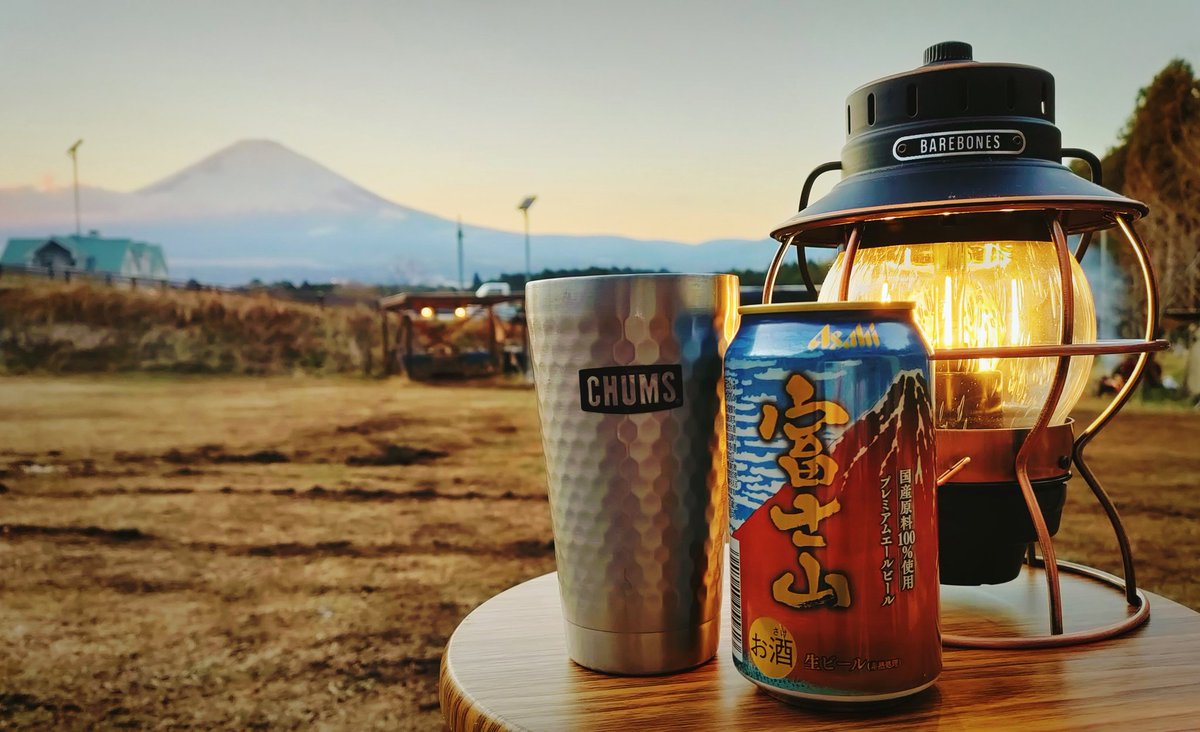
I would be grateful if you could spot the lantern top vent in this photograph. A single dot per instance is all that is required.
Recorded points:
(955, 135)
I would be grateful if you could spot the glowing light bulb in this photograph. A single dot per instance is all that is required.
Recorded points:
(982, 294)
(426, 312)
(460, 312)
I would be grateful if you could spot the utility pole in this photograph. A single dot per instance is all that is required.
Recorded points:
(460, 255)
(523, 207)
(73, 152)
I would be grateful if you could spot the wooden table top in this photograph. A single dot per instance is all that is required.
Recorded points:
(506, 667)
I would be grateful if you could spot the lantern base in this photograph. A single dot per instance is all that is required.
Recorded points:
(1013, 613)
(984, 528)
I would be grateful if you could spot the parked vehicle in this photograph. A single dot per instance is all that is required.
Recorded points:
(493, 288)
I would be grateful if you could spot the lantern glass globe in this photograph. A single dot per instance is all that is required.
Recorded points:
(982, 294)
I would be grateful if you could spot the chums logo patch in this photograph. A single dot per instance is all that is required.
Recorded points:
(631, 389)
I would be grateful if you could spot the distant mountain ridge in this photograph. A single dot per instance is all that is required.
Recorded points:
(259, 209)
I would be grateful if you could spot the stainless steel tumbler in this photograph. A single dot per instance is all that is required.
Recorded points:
(628, 375)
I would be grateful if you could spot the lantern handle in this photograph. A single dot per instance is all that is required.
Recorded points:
(1093, 162)
(805, 193)
(817, 172)
(1096, 171)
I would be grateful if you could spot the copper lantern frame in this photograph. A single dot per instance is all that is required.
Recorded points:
(1090, 214)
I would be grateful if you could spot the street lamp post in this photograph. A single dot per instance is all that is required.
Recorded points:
(460, 255)
(73, 152)
(524, 209)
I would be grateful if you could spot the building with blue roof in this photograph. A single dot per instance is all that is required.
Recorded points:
(89, 253)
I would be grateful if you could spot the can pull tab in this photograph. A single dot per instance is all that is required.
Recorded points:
(946, 476)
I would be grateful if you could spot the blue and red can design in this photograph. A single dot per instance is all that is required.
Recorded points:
(833, 527)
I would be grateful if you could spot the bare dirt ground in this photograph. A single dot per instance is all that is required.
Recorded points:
(246, 553)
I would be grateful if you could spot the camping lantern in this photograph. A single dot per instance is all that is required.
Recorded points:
(954, 196)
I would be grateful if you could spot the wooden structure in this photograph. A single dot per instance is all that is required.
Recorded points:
(448, 361)
(506, 667)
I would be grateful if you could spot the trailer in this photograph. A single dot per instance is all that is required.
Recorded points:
(454, 334)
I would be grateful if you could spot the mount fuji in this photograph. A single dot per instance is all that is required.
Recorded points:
(257, 209)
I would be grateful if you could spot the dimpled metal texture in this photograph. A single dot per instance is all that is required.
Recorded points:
(638, 500)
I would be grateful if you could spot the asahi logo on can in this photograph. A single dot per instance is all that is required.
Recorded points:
(959, 142)
(631, 389)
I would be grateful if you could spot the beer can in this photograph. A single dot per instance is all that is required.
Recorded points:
(833, 526)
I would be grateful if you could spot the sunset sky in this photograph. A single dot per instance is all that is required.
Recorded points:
(676, 120)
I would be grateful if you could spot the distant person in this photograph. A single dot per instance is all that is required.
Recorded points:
(1152, 375)
(516, 344)
(1110, 384)
(522, 326)
(1126, 367)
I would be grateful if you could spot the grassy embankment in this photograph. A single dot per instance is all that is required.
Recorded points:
(56, 327)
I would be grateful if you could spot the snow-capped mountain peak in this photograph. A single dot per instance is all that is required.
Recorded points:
(259, 176)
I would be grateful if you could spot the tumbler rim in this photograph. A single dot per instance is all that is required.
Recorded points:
(632, 276)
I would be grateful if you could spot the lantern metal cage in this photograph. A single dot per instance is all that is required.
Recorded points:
(1012, 181)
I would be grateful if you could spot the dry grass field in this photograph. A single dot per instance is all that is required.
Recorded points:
(245, 553)
(283, 552)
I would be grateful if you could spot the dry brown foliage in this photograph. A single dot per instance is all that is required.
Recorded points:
(1158, 163)
(55, 327)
